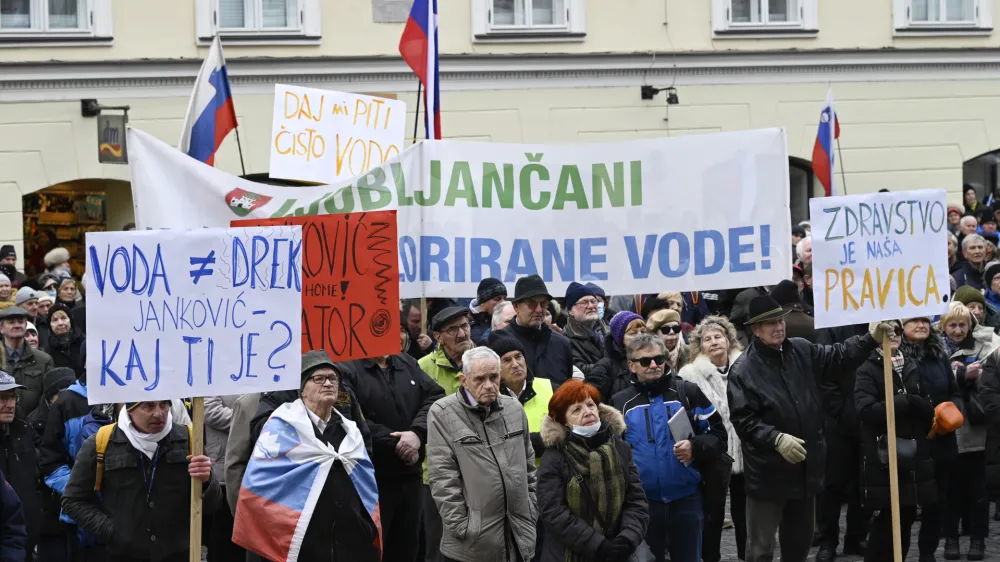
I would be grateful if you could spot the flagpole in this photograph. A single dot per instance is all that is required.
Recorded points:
(840, 157)
(416, 116)
(239, 146)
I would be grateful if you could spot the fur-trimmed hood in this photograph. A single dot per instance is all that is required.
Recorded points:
(554, 433)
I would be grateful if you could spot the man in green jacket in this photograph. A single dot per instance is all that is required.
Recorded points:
(25, 364)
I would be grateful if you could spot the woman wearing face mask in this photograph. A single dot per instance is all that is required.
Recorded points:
(590, 499)
(611, 375)
(64, 343)
(969, 345)
(714, 347)
(924, 346)
(914, 417)
(66, 293)
(666, 324)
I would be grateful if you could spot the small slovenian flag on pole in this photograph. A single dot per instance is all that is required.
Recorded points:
(419, 48)
(211, 114)
(822, 160)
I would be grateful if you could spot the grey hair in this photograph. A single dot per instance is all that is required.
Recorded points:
(497, 311)
(478, 353)
(800, 247)
(953, 238)
(970, 239)
(642, 341)
(967, 218)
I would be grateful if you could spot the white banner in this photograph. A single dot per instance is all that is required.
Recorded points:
(320, 135)
(880, 256)
(693, 213)
(174, 314)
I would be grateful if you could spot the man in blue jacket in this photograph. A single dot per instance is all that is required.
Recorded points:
(665, 464)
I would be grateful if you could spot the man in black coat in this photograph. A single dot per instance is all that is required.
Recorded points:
(776, 408)
(489, 294)
(13, 536)
(17, 459)
(584, 328)
(394, 395)
(549, 355)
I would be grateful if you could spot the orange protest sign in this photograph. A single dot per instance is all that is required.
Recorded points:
(350, 282)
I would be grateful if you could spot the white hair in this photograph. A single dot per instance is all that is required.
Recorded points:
(480, 353)
(970, 239)
(801, 246)
(497, 312)
(968, 218)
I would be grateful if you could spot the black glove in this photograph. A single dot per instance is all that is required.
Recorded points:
(615, 550)
(921, 406)
(902, 403)
(606, 551)
(622, 547)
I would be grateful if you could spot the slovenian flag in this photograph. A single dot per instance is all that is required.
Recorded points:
(419, 48)
(211, 114)
(829, 131)
(285, 477)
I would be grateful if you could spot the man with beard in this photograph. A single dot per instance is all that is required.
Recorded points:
(971, 272)
(453, 332)
(585, 329)
(548, 354)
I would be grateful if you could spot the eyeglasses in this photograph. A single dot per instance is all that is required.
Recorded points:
(672, 329)
(535, 304)
(12, 398)
(587, 303)
(645, 361)
(454, 330)
(321, 380)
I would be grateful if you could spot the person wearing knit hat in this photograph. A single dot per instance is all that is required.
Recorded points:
(666, 325)
(489, 294)
(584, 326)
(28, 300)
(578, 426)
(611, 375)
(45, 302)
(974, 301)
(31, 335)
(954, 219)
(56, 260)
(549, 354)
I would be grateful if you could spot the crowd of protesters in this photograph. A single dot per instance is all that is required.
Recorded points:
(531, 426)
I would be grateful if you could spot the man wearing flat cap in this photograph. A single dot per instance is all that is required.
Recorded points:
(549, 355)
(776, 408)
(25, 364)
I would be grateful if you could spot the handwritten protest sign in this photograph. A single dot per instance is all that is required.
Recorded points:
(205, 312)
(350, 287)
(880, 256)
(321, 135)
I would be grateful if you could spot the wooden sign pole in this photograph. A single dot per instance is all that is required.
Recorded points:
(197, 448)
(423, 315)
(890, 422)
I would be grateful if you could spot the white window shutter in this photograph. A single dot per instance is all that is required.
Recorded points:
(900, 19)
(810, 15)
(101, 14)
(311, 18)
(720, 15)
(204, 18)
(577, 21)
(480, 17)
(985, 14)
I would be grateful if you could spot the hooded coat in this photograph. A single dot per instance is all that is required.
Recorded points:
(774, 391)
(564, 530)
(713, 385)
(610, 375)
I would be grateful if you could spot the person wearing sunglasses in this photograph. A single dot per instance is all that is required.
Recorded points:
(667, 325)
(667, 463)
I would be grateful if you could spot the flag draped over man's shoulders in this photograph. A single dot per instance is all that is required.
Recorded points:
(285, 477)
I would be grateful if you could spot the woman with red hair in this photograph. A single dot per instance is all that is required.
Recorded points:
(590, 499)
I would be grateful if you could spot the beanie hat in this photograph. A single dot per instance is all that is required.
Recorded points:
(56, 380)
(502, 343)
(4, 279)
(59, 307)
(490, 288)
(799, 231)
(619, 323)
(24, 294)
(989, 272)
(31, 328)
(6, 251)
(575, 292)
(56, 256)
(966, 294)
(597, 291)
(786, 292)
(955, 209)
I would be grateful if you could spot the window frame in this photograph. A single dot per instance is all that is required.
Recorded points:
(307, 32)
(484, 31)
(94, 15)
(903, 25)
(806, 25)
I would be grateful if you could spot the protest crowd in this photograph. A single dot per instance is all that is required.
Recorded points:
(531, 426)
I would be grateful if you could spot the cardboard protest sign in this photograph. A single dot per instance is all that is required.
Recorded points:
(350, 283)
(321, 135)
(880, 256)
(206, 312)
(699, 212)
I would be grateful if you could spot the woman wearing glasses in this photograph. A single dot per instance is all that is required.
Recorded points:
(666, 324)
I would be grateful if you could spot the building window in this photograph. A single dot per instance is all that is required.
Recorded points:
(253, 21)
(507, 20)
(942, 15)
(763, 17)
(29, 20)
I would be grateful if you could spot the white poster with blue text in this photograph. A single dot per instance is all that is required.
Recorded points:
(641, 216)
(205, 312)
(881, 256)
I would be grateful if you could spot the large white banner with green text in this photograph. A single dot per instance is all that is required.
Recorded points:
(698, 212)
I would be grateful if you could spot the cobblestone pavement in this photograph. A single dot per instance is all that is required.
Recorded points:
(992, 544)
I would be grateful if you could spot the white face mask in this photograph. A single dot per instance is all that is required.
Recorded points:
(600, 308)
(587, 430)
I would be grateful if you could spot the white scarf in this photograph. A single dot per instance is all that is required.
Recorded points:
(146, 443)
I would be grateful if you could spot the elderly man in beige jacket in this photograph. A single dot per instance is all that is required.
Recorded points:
(481, 468)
